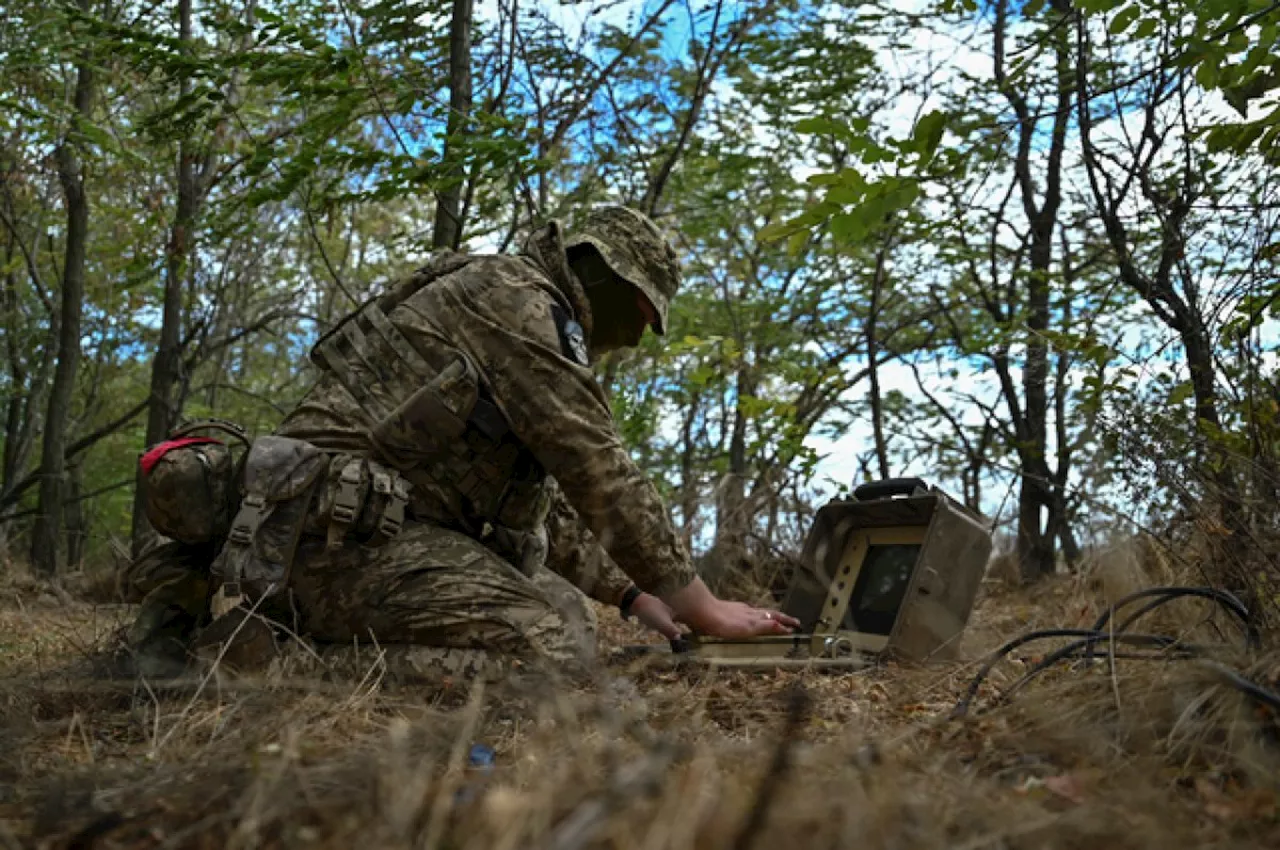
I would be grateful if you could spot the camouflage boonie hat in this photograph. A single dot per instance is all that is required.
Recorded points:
(636, 251)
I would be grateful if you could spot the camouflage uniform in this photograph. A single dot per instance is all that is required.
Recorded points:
(171, 582)
(441, 603)
(515, 465)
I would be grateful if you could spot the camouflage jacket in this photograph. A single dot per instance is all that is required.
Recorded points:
(507, 314)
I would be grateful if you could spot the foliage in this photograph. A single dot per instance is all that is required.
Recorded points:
(985, 243)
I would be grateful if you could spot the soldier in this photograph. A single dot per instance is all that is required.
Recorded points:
(454, 483)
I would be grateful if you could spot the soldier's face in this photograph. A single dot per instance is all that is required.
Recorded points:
(620, 312)
(619, 319)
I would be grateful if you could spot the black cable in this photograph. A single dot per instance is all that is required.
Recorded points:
(1252, 638)
(1088, 639)
(1224, 598)
(1167, 594)
(1143, 611)
(962, 706)
(1235, 679)
(1251, 689)
(1162, 641)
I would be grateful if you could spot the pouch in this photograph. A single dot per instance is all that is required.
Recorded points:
(281, 478)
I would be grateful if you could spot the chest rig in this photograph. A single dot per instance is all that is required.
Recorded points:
(435, 422)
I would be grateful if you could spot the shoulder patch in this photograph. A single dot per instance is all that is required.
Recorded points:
(573, 339)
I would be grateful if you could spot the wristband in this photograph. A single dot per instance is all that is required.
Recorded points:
(629, 596)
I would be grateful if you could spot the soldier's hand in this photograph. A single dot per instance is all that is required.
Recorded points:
(739, 620)
(696, 606)
(656, 615)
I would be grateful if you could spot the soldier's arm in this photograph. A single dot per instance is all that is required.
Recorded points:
(576, 555)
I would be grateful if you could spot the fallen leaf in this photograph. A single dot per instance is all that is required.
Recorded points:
(1208, 790)
(1259, 803)
(1067, 787)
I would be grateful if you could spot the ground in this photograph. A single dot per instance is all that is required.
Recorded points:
(1142, 754)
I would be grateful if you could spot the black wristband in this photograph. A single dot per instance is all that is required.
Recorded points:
(631, 594)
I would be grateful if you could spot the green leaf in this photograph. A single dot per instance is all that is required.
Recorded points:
(1181, 393)
(1207, 73)
(819, 126)
(847, 227)
(845, 195)
(928, 131)
(1124, 19)
(901, 196)
(824, 179)
(1147, 28)
(776, 230)
(796, 244)
(852, 178)
(1094, 7)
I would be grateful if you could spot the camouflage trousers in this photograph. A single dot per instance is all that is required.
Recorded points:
(172, 583)
(430, 603)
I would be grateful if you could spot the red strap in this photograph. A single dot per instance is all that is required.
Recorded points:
(153, 455)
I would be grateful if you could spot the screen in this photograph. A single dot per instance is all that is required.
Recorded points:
(882, 584)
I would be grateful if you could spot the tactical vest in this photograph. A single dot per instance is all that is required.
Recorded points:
(437, 424)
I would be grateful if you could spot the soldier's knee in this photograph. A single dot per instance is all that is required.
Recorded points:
(563, 640)
(142, 577)
(571, 602)
(175, 565)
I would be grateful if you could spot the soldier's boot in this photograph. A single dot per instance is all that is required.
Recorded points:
(238, 640)
(158, 638)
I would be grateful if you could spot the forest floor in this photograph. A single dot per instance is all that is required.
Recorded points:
(1141, 754)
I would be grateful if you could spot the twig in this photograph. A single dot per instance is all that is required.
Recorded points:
(642, 776)
(213, 668)
(996, 839)
(81, 498)
(379, 659)
(1115, 681)
(444, 795)
(797, 712)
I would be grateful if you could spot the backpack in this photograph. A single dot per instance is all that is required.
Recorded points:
(190, 482)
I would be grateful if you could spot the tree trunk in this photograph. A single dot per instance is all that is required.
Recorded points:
(873, 353)
(45, 535)
(1036, 542)
(1067, 540)
(1199, 351)
(1035, 546)
(26, 390)
(77, 531)
(688, 472)
(163, 407)
(13, 461)
(978, 460)
(729, 552)
(1178, 311)
(448, 224)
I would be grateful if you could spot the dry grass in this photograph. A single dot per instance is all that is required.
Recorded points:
(1148, 754)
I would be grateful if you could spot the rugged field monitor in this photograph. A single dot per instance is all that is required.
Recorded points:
(893, 570)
